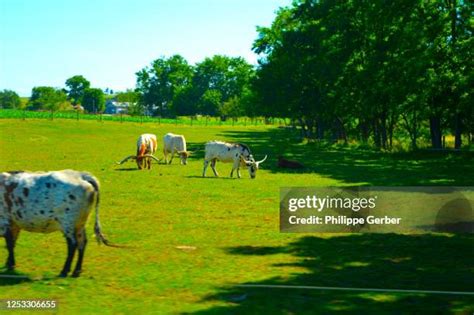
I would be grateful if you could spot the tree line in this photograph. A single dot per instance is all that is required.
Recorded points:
(77, 91)
(370, 69)
(217, 86)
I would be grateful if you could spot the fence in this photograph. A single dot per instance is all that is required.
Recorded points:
(181, 120)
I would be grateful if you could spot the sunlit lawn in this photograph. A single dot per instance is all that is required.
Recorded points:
(192, 238)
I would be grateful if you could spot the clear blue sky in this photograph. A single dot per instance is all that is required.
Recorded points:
(44, 42)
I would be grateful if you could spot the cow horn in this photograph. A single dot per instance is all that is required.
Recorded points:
(127, 158)
(151, 156)
(261, 161)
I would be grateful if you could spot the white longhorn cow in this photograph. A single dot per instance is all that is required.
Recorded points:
(237, 153)
(172, 144)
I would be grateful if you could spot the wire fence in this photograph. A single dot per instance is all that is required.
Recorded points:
(180, 120)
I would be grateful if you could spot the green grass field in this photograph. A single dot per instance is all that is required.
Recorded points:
(229, 228)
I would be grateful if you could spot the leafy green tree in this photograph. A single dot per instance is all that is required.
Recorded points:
(367, 68)
(129, 96)
(9, 99)
(232, 108)
(229, 76)
(210, 102)
(48, 98)
(76, 86)
(93, 100)
(161, 82)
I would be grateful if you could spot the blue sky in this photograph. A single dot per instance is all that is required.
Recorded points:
(44, 42)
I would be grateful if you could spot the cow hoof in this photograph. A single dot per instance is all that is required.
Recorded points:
(63, 275)
(76, 274)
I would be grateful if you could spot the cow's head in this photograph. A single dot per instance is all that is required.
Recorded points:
(183, 155)
(140, 162)
(252, 165)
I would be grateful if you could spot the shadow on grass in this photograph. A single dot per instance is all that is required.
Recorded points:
(128, 169)
(9, 277)
(383, 261)
(352, 165)
(211, 177)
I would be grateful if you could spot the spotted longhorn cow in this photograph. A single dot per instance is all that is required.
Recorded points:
(237, 153)
(146, 147)
(48, 202)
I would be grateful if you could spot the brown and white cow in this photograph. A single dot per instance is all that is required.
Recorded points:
(175, 144)
(237, 153)
(146, 147)
(48, 202)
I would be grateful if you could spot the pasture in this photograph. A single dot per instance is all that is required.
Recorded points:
(193, 239)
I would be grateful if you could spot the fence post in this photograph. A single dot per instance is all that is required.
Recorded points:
(24, 114)
(159, 120)
(52, 115)
(191, 120)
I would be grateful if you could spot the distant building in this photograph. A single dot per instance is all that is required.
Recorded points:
(114, 107)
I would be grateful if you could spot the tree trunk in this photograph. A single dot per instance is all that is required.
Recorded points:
(457, 131)
(435, 131)
(377, 138)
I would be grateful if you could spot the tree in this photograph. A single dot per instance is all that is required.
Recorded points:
(232, 108)
(366, 68)
(48, 98)
(174, 87)
(129, 96)
(210, 102)
(160, 83)
(93, 100)
(9, 99)
(225, 75)
(76, 86)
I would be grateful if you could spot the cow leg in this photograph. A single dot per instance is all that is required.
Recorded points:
(206, 163)
(11, 235)
(172, 156)
(148, 161)
(238, 172)
(71, 250)
(213, 166)
(234, 167)
(166, 156)
(81, 246)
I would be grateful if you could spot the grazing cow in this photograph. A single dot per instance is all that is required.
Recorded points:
(146, 146)
(236, 153)
(175, 144)
(284, 163)
(47, 202)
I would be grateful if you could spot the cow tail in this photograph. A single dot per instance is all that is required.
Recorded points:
(97, 228)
